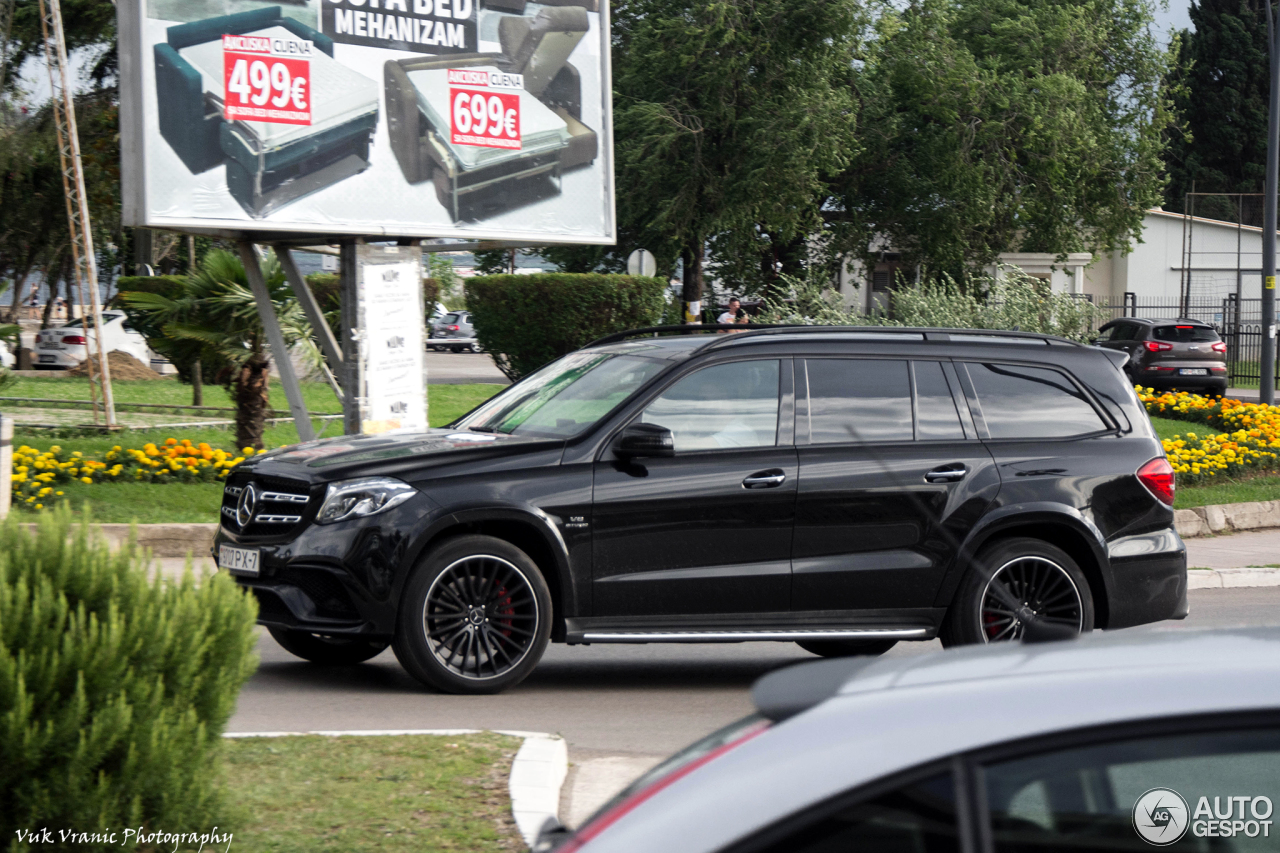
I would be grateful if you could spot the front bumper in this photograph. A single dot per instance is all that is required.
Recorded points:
(1149, 579)
(337, 579)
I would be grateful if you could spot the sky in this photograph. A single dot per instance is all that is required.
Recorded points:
(1176, 17)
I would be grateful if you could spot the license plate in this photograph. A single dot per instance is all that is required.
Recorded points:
(48, 359)
(242, 561)
(1194, 371)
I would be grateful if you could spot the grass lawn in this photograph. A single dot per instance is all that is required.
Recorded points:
(415, 793)
(318, 396)
(149, 503)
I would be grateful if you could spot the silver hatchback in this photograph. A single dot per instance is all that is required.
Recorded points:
(1105, 743)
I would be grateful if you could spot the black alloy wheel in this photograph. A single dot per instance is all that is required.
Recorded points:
(1035, 583)
(475, 618)
(1012, 583)
(329, 651)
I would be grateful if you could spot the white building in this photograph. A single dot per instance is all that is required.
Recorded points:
(1154, 270)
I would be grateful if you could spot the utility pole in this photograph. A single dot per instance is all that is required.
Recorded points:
(84, 261)
(1267, 380)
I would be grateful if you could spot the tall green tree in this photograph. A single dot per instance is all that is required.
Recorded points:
(997, 125)
(1220, 89)
(213, 317)
(728, 115)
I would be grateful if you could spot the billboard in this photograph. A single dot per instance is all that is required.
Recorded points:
(479, 119)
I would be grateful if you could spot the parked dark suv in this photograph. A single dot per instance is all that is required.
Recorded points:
(1182, 355)
(840, 488)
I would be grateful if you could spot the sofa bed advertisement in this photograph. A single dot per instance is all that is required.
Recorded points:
(479, 119)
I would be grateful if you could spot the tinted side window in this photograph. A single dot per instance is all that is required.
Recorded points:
(728, 405)
(917, 817)
(856, 399)
(1116, 796)
(1116, 332)
(936, 415)
(1031, 402)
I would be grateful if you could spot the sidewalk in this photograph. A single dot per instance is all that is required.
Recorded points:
(1235, 551)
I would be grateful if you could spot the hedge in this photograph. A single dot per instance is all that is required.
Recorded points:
(114, 689)
(525, 321)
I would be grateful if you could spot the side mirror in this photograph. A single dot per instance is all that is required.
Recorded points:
(640, 440)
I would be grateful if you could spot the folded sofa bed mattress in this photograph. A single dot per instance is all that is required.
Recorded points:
(471, 168)
(541, 130)
(270, 164)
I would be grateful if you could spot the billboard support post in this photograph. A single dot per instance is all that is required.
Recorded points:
(311, 308)
(275, 339)
(352, 374)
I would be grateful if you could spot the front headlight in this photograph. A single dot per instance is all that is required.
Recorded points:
(359, 498)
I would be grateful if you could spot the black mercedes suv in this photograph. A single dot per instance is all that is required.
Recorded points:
(841, 488)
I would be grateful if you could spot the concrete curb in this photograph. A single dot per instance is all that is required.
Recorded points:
(1232, 578)
(162, 540)
(537, 772)
(1226, 518)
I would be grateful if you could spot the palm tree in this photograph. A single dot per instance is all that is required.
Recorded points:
(214, 318)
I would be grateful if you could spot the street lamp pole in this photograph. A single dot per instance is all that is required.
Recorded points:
(1266, 387)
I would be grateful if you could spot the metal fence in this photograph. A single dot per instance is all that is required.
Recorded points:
(1238, 321)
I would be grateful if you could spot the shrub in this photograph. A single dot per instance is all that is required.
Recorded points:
(526, 321)
(114, 689)
(1015, 302)
(170, 287)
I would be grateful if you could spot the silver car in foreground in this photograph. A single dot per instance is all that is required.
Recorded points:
(1104, 743)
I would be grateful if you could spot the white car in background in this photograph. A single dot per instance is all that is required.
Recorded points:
(65, 347)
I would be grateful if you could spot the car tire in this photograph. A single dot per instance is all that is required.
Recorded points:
(1038, 574)
(329, 651)
(475, 617)
(846, 648)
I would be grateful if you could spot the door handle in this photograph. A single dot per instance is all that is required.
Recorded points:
(765, 479)
(949, 474)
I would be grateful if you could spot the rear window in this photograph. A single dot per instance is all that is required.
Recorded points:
(1018, 401)
(449, 318)
(1185, 334)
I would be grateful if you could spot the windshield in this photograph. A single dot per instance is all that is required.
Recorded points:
(79, 321)
(564, 398)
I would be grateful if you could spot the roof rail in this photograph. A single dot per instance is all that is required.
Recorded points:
(935, 334)
(683, 329)
(762, 329)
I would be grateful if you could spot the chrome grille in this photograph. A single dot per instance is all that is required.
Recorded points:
(267, 505)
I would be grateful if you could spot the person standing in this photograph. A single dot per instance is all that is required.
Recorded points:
(732, 313)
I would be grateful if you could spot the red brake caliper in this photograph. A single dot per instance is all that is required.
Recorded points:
(504, 608)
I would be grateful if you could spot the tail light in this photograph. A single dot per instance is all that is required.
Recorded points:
(453, 328)
(1158, 346)
(1157, 476)
(74, 339)
(1219, 347)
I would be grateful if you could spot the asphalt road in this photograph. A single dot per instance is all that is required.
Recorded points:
(603, 699)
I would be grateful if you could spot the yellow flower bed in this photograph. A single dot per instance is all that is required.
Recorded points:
(1249, 444)
(37, 473)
